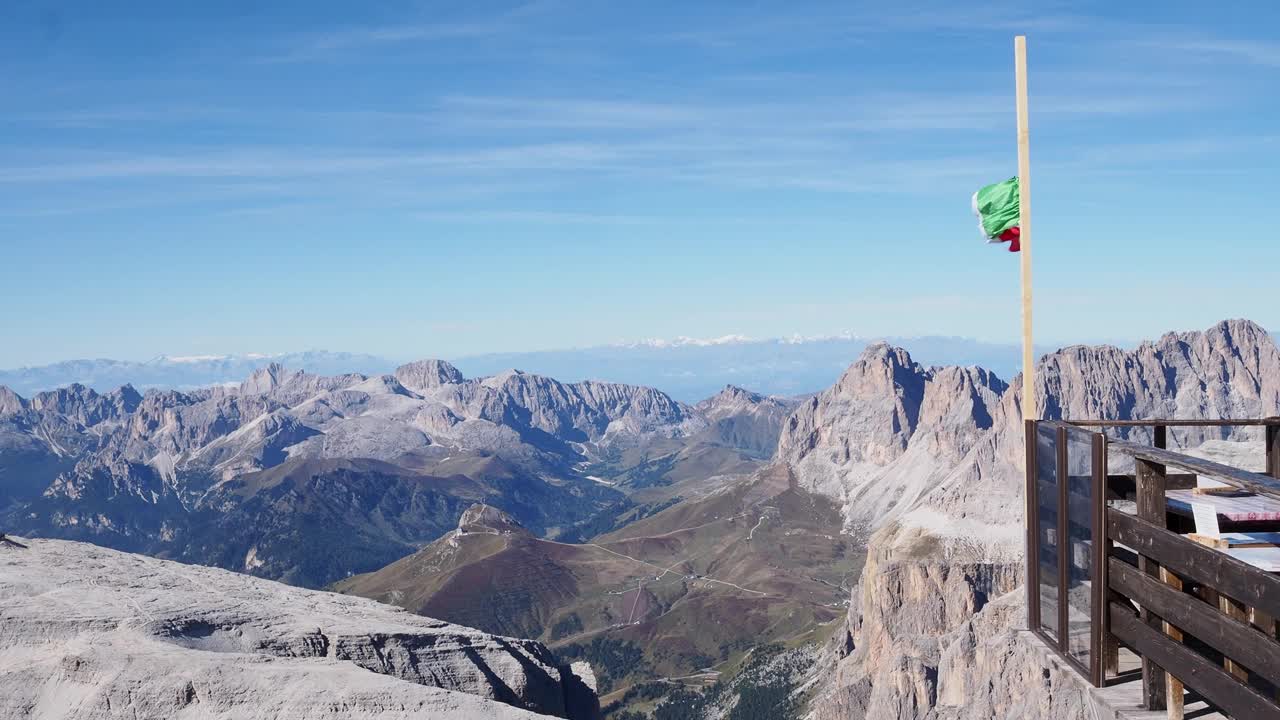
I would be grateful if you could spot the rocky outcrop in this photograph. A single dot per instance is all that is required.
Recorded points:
(487, 519)
(916, 590)
(92, 633)
(743, 419)
(85, 406)
(1231, 370)
(985, 668)
(887, 431)
(424, 375)
(586, 412)
(990, 669)
(10, 402)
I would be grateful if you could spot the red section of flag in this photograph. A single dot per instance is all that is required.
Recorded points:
(1011, 236)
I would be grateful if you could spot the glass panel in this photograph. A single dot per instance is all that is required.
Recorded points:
(1079, 543)
(1047, 531)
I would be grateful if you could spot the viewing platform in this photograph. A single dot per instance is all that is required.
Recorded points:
(1155, 574)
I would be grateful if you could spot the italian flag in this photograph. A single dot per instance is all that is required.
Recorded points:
(997, 209)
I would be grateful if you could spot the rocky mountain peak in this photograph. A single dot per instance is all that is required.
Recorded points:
(732, 394)
(887, 431)
(423, 375)
(11, 402)
(877, 405)
(85, 406)
(385, 385)
(1237, 332)
(1230, 370)
(126, 397)
(882, 368)
(63, 399)
(736, 392)
(482, 518)
(265, 379)
(736, 401)
(498, 380)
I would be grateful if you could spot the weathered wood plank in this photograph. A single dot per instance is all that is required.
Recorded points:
(1200, 674)
(1152, 485)
(1169, 422)
(1231, 636)
(1204, 565)
(1124, 487)
(1238, 612)
(1243, 479)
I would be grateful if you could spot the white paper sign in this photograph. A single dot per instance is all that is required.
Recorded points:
(1206, 517)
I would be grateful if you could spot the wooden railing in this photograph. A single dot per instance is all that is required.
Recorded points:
(1198, 617)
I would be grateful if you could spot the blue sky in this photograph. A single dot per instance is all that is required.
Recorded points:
(417, 179)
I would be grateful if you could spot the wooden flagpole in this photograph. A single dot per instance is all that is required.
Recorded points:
(1030, 410)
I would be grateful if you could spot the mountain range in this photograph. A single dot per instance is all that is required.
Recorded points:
(256, 476)
(687, 369)
(673, 546)
(181, 372)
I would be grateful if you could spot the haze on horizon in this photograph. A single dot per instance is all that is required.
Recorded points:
(409, 179)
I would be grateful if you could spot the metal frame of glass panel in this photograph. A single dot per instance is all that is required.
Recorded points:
(1048, 448)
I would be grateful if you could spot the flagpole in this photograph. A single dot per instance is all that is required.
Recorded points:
(1029, 409)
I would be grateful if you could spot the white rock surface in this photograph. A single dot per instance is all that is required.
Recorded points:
(90, 633)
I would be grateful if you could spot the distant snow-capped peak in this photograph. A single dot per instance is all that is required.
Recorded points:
(685, 341)
(798, 339)
(197, 358)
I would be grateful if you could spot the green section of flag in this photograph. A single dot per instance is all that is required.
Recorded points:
(997, 207)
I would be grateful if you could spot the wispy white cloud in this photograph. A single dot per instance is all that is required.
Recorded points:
(328, 43)
(272, 162)
(1112, 157)
(870, 112)
(486, 118)
(524, 217)
(1250, 52)
(322, 44)
(568, 113)
(753, 31)
(741, 128)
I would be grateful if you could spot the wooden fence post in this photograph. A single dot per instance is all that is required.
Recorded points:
(1273, 451)
(1151, 486)
(1174, 689)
